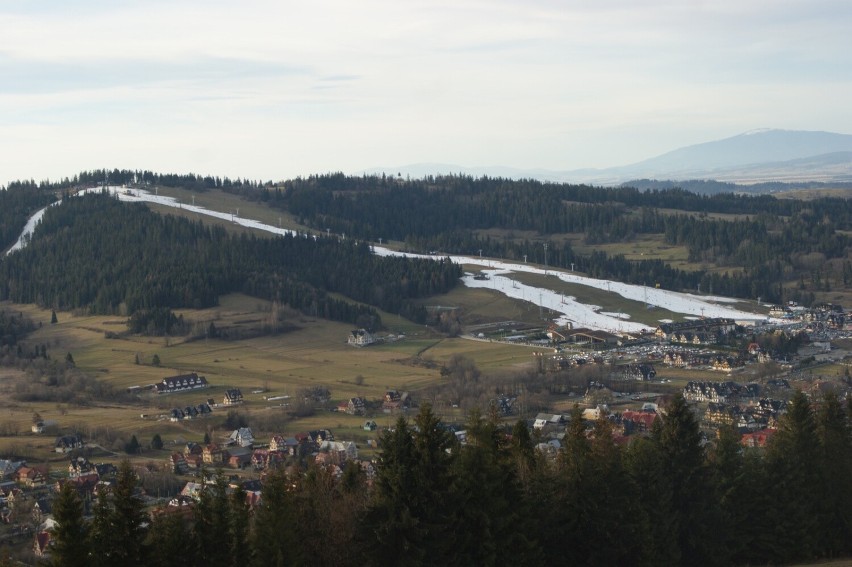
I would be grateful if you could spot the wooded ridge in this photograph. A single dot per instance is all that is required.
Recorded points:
(97, 253)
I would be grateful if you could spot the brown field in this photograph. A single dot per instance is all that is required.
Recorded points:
(231, 227)
(643, 247)
(710, 216)
(218, 200)
(312, 352)
(809, 194)
(480, 306)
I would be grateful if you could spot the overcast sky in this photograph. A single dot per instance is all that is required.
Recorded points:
(272, 90)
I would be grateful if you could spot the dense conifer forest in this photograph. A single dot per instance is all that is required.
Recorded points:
(768, 242)
(776, 249)
(108, 257)
(663, 500)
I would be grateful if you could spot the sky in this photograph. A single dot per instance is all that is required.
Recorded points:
(275, 90)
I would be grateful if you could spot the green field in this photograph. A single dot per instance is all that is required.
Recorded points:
(313, 352)
(224, 202)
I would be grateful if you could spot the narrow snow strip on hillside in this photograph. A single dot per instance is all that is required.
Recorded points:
(29, 228)
(140, 195)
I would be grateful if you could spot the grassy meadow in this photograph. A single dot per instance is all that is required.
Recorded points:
(222, 201)
(311, 352)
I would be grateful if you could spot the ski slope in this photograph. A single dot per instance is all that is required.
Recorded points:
(570, 310)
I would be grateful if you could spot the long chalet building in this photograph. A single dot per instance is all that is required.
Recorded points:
(719, 392)
(699, 327)
(181, 383)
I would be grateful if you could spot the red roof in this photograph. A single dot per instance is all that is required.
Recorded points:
(643, 418)
(758, 438)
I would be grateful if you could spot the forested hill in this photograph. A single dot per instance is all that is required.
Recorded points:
(765, 241)
(98, 253)
(737, 245)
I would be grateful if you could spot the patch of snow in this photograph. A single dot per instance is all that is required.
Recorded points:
(29, 228)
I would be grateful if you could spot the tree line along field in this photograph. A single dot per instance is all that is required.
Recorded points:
(311, 352)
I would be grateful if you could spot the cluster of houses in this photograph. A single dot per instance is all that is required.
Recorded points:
(192, 381)
(690, 359)
(727, 403)
(240, 452)
(26, 493)
(189, 496)
(16, 474)
(191, 412)
(393, 401)
(720, 392)
(551, 428)
(760, 414)
(232, 396)
(832, 315)
(706, 331)
(742, 405)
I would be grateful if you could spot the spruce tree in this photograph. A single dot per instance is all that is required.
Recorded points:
(128, 518)
(100, 531)
(793, 459)
(407, 522)
(391, 532)
(835, 498)
(238, 527)
(726, 465)
(523, 453)
(485, 500)
(615, 504)
(169, 539)
(132, 446)
(274, 542)
(695, 504)
(212, 525)
(646, 467)
(118, 530)
(68, 537)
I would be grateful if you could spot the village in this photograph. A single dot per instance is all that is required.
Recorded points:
(758, 371)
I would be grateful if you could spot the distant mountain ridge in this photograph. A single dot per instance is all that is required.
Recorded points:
(758, 156)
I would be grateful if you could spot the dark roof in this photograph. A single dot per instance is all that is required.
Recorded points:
(181, 382)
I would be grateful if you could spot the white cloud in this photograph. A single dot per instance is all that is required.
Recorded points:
(275, 89)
